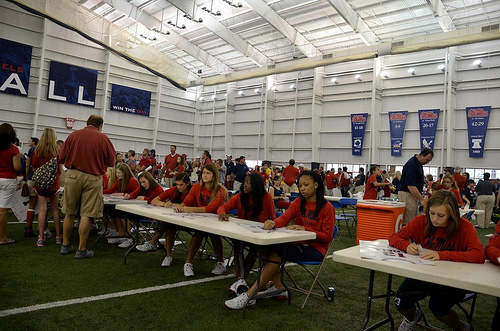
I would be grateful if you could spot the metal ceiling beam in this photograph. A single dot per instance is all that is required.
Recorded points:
(174, 38)
(355, 21)
(267, 13)
(441, 15)
(223, 32)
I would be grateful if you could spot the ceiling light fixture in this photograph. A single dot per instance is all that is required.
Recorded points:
(292, 86)
(411, 71)
(240, 93)
(235, 5)
(201, 98)
(358, 78)
(441, 67)
(210, 11)
(274, 88)
(166, 33)
(256, 90)
(335, 80)
(176, 25)
(189, 17)
(384, 74)
(214, 97)
(477, 63)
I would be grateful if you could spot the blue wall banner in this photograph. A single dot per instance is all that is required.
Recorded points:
(130, 100)
(428, 120)
(358, 127)
(15, 64)
(72, 84)
(477, 124)
(397, 122)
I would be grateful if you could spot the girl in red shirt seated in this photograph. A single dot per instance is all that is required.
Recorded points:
(204, 197)
(447, 236)
(311, 213)
(253, 204)
(493, 254)
(170, 198)
(148, 189)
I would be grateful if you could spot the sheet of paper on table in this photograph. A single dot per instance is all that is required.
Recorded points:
(380, 250)
(259, 228)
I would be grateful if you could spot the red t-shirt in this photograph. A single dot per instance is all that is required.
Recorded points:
(493, 247)
(6, 165)
(267, 213)
(290, 175)
(36, 162)
(171, 193)
(200, 197)
(370, 189)
(133, 184)
(88, 150)
(265, 176)
(331, 180)
(145, 162)
(150, 194)
(460, 180)
(170, 161)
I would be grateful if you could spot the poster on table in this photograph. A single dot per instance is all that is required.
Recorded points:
(428, 120)
(477, 124)
(358, 127)
(397, 122)
(72, 84)
(15, 64)
(130, 100)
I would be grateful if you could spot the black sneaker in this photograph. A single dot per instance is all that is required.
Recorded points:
(85, 254)
(66, 249)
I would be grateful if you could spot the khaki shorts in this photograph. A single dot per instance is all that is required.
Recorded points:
(411, 210)
(84, 191)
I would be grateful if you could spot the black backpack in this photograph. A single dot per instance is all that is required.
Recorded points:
(45, 176)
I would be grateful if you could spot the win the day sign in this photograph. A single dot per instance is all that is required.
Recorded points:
(72, 84)
(358, 127)
(15, 64)
(397, 122)
(477, 124)
(428, 120)
(130, 100)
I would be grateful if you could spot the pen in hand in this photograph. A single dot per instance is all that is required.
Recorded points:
(413, 248)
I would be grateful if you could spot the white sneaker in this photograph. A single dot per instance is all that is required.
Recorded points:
(47, 233)
(465, 326)
(220, 269)
(147, 246)
(167, 262)
(273, 293)
(407, 325)
(111, 233)
(239, 302)
(127, 243)
(188, 270)
(116, 240)
(238, 287)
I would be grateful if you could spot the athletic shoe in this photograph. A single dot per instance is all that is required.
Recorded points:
(111, 233)
(220, 269)
(66, 249)
(76, 225)
(407, 325)
(465, 326)
(28, 232)
(102, 231)
(93, 227)
(238, 287)
(272, 293)
(239, 302)
(146, 246)
(47, 233)
(188, 270)
(59, 240)
(167, 262)
(40, 243)
(127, 243)
(85, 254)
(116, 240)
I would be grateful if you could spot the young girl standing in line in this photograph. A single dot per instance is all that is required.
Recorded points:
(253, 204)
(371, 187)
(449, 237)
(204, 197)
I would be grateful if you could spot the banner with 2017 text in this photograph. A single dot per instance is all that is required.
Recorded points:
(130, 100)
(15, 64)
(358, 128)
(397, 123)
(428, 120)
(477, 124)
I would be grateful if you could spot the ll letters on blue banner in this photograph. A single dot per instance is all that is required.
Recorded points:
(130, 100)
(15, 64)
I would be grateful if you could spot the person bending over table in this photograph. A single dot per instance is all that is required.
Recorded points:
(253, 204)
(126, 183)
(447, 236)
(204, 197)
(170, 198)
(311, 213)
(493, 254)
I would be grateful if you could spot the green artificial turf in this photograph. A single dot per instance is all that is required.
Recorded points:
(34, 275)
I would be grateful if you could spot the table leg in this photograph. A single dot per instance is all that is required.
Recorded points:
(387, 296)
(134, 238)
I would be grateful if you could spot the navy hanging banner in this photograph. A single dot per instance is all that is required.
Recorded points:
(15, 63)
(428, 120)
(72, 84)
(130, 100)
(358, 127)
(477, 123)
(397, 122)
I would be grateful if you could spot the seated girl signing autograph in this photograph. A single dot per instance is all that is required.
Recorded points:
(448, 237)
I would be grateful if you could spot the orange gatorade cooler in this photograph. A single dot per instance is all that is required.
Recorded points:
(378, 219)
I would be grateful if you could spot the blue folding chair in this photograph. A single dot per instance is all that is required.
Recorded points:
(304, 265)
(341, 216)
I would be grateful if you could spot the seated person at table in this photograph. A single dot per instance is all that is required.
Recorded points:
(204, 197)
(449, 184)
(126, 183)
(447, 236)
(148, 189)
(311, 213)
(253, 204)
(372, 186)
(493, 254)
(170, 198)
(278, 194)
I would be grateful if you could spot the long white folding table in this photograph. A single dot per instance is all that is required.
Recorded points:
(480, 278)
(210, 223)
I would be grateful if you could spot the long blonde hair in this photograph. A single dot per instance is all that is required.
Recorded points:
(47, 144)
(112, 178)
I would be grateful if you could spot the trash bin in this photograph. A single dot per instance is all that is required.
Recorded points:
(378, 219)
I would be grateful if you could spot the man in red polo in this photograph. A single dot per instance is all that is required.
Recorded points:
(169, 166)
(290, 175)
